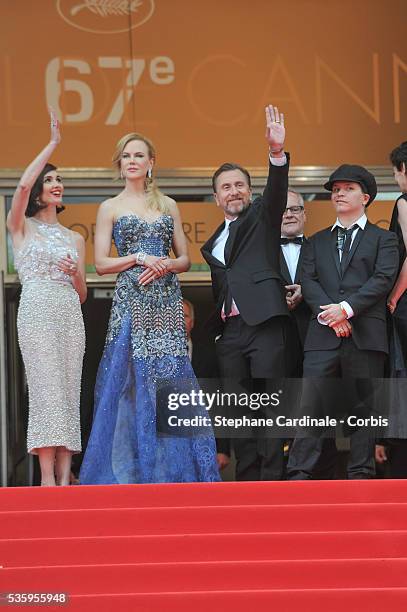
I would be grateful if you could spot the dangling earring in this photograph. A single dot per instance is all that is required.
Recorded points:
(121, 174)
(148, 180)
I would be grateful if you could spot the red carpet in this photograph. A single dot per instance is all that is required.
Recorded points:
(322, 546)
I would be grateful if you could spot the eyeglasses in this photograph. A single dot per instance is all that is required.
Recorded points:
(293, 210)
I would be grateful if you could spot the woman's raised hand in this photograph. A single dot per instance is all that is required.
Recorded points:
(55, 133)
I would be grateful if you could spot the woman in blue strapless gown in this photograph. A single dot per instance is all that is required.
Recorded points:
(146, 341)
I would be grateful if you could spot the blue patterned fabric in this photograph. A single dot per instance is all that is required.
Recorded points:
(145, 345)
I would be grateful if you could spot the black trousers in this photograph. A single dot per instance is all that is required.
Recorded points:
(245, 353)
(354, 394)
(396, 466)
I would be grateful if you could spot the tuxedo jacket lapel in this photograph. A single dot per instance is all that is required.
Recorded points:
(208, 247)
(285, 273)
(237, 237)
(299, 264)
(213, 261)
(230, 242)
(334, 249)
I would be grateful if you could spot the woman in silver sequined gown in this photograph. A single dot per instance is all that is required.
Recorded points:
(146, 345)
(49, 259)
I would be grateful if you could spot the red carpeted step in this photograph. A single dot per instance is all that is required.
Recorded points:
(200, 519)
(200, 547)
(333, 600)
(320, 546)
(291, 600)
(218, 576)
(196, 494)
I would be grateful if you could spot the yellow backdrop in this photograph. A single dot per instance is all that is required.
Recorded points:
(195, 77)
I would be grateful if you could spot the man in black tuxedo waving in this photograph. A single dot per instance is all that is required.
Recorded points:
(251, 310)
(348, 270)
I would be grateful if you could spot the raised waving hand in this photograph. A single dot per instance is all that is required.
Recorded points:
(15, 219)
(275, 130)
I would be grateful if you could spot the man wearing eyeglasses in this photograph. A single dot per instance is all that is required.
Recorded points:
(292, 242)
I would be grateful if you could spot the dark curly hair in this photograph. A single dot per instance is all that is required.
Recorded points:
(398, 156)
(33, 205)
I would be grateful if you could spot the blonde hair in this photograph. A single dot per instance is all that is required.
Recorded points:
(155, 198)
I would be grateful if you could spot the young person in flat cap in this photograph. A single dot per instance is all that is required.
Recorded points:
(348, 271)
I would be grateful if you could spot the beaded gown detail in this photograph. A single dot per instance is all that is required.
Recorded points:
(145, 344)
(51, 336)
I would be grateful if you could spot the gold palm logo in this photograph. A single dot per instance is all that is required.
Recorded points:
(104, 8)
(105, 16)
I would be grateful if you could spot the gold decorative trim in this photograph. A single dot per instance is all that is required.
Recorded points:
(196, 179)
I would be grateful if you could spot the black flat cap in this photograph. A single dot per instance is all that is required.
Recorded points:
(354, 174)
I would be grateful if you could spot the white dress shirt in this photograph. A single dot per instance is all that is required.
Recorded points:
(360, 223)
(218, 250)
(291, 252)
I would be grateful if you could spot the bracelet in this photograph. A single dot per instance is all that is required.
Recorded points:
(140, 258)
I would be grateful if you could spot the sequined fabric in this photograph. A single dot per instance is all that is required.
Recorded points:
(156, 311)
(51, 337)
(145, 345)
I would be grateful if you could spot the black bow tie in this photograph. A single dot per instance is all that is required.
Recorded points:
(296, 240)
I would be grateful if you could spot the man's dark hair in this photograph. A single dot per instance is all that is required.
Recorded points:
(225, 168)
(399, 156)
